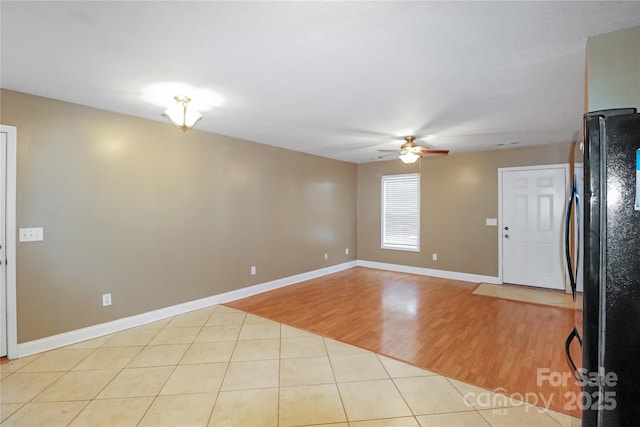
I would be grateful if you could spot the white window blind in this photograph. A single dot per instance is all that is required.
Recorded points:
(401, 212)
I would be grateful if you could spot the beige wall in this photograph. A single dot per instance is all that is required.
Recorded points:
(613, 70)
(159, 217)
(458, 192)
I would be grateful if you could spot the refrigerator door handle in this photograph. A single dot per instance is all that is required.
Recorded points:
(567, 350)
(567, 247)
(578, 238)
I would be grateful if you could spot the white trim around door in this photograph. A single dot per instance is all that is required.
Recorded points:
(10, 297)
(564, 166)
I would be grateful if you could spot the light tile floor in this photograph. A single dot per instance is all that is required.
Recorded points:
(223, 367)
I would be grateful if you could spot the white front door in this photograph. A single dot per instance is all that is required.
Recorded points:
(533, 206)
(3, 267)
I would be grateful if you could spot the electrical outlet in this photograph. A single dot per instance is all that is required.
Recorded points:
(326, 255)
(434, 257)
(346, 251)
(106, 300)
(253, 270)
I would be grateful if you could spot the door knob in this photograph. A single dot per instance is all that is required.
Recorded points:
(506, 236)
(506, 228)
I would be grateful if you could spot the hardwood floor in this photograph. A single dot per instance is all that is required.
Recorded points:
(436, 324)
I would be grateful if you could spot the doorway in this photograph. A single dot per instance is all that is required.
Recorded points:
(532, 205)
(8, 327)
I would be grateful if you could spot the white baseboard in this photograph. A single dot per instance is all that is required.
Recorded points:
(78, 335)
(466, 277)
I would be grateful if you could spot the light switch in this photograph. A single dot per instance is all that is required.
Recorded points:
(492, 222)
(31, 234)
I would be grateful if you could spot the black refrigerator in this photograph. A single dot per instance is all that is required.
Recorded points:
(610, 371)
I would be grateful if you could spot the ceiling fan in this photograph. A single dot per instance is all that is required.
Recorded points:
(410, 152)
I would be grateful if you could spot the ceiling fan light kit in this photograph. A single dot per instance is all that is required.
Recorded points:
(180, 115)
(409, 152)
(409, 158)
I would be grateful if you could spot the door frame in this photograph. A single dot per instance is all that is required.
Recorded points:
(10, 236)
(564, 166)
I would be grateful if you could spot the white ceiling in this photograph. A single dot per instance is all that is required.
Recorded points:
(336, 79)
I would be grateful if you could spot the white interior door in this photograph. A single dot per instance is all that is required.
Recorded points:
(3, 267)
(533, 204)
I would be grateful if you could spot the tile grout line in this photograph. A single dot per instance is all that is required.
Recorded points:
(365, 281)
(279, 376)
(397, 389)
(226, 368)
(31, 401)
(89, 401)
(224, 376)
(471, 405)
(94, 350)
(215, 401)
(119, 371)
(22, 404)
(174, 367)
(507, 396)
(344, 409)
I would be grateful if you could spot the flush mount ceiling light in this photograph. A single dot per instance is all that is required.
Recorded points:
(180, 115)
(183, 111)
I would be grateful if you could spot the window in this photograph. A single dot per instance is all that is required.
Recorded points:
(401, 212)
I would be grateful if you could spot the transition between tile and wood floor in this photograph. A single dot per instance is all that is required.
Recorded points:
(223, 367)
(439, 325)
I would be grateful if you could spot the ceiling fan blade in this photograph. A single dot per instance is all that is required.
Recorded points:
(389, 151)
(427, 151)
